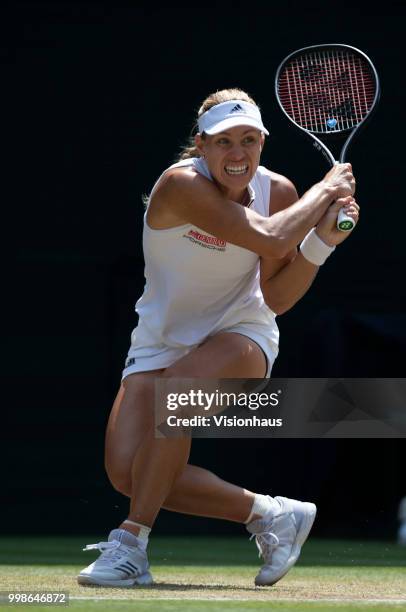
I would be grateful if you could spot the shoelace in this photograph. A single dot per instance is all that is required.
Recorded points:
(266, 543)
(109, 549)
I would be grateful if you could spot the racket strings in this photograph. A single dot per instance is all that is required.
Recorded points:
(327, 91)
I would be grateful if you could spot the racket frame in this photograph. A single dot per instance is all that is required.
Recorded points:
(317, 143)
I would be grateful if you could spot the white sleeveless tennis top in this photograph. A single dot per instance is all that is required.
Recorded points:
(197, 285)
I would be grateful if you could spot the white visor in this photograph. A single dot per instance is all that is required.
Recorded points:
(230, 114)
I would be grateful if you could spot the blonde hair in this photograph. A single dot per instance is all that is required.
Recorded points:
(224, 95)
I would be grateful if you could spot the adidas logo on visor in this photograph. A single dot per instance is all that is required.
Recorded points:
(219, 117)
(237, 108)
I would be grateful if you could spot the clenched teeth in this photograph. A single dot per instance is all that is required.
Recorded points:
(236, 169)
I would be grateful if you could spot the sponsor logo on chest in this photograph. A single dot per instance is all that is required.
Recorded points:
(205, 241)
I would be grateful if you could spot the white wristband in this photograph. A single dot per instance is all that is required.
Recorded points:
(314, 249)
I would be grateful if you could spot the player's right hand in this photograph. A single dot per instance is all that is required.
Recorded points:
(341, 179)
(326, 228)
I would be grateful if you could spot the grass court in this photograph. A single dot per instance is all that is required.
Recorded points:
(211, 574)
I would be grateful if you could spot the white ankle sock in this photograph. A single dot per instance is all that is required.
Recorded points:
(262, 504)
(143, 533)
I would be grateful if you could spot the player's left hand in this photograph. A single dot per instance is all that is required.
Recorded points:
(326, 228)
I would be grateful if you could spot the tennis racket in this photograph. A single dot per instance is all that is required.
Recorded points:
(328, 92)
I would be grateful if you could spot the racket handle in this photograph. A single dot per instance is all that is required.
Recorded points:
(344, 222)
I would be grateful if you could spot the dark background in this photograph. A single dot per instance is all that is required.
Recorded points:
(105, 95)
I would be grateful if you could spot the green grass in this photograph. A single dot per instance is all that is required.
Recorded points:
(212, 574)
(186, 605)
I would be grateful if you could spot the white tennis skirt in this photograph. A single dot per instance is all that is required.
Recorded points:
(159, 356)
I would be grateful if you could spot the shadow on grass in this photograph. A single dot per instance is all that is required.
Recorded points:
(171, 586)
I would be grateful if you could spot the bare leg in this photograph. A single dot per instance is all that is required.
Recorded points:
(156, 466)
(200, 492)
(159, 471)
(129, 421)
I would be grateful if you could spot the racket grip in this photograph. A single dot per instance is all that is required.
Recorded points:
(344, 222)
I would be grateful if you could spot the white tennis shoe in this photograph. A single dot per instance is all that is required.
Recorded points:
(122, 562)
(280, 536)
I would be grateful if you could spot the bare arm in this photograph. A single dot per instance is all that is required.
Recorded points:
(283, 288)
(191, 198)
(285, 281)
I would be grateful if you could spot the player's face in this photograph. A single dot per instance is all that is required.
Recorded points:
(232, 157)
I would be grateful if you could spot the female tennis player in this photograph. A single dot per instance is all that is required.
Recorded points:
(220, 238)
